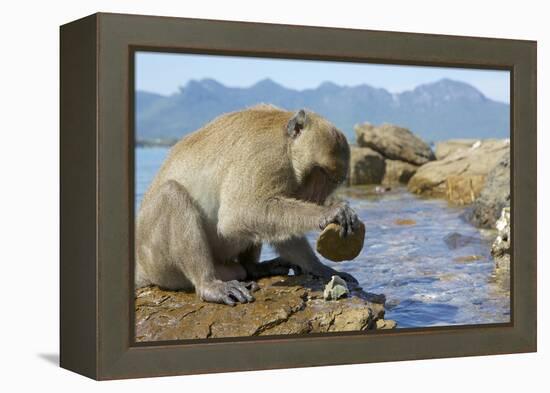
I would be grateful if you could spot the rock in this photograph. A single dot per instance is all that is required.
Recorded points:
(337, 249)
(467, 258)
(395, 143)
(284, 305)
(445, 148)
(335, 289)
(494, 196)
(398, 172)
(384, 324)
(501, 249)
(460, 176)
(462, 190)
(456, 240)
(366, 166)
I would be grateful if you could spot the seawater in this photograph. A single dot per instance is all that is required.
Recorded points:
(426, 281)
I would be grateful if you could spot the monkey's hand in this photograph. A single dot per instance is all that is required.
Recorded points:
(227, 292)
(342, 215)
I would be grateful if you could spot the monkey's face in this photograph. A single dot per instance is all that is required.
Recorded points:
(320, 154)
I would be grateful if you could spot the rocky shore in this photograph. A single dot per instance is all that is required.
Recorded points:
(283, 305)
(465, 172)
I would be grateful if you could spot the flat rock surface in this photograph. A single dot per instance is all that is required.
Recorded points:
(284, 305)
(461, 175)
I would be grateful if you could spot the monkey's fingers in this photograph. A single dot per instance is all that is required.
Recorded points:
(238, 295)
(353, 222)
(239, 291)
(346, 222)
(225, 299)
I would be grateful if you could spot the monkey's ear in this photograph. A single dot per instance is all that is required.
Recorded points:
(296, 123)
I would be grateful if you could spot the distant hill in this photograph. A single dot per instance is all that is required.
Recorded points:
(435, 111)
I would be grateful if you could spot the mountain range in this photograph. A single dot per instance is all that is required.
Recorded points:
(435, 111)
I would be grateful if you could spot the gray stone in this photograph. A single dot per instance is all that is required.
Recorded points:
(494, 196)
(335, 289)
(501, 247)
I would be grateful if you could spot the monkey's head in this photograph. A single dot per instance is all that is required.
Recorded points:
(320, 154)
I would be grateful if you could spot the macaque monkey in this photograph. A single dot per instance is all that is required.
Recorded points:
(260, 175)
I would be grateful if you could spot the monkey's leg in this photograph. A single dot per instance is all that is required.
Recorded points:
(176, 232)
(250, 260)
(298, 251)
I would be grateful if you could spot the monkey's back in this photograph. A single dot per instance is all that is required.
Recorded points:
(236, 153)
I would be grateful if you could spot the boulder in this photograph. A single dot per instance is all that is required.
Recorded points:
(461, 175)
(366, 166)
(445, 148)
(283, 305)
(370, 167)
(398, 172)
(395, 143)
(494, 196)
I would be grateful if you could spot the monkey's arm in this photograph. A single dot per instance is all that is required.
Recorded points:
(302, 216)
(280, 218)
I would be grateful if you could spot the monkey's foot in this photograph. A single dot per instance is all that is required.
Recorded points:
(273, 267)
(228, 292)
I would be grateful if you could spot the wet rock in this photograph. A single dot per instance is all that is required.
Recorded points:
(337, 249)
(467, 258)
(284, 305)
(398, 172)
(494, 196)
(460, 176)
(405, 221)
(445, 148)
(366, 166)
(456, 240)
(393, 142)
(335, 289)
(500, 249)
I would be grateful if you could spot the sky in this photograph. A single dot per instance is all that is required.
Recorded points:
(164, 73)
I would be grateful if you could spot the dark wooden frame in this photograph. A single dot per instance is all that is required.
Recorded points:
(97, 195)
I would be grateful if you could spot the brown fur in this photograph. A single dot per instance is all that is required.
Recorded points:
(242, 180)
